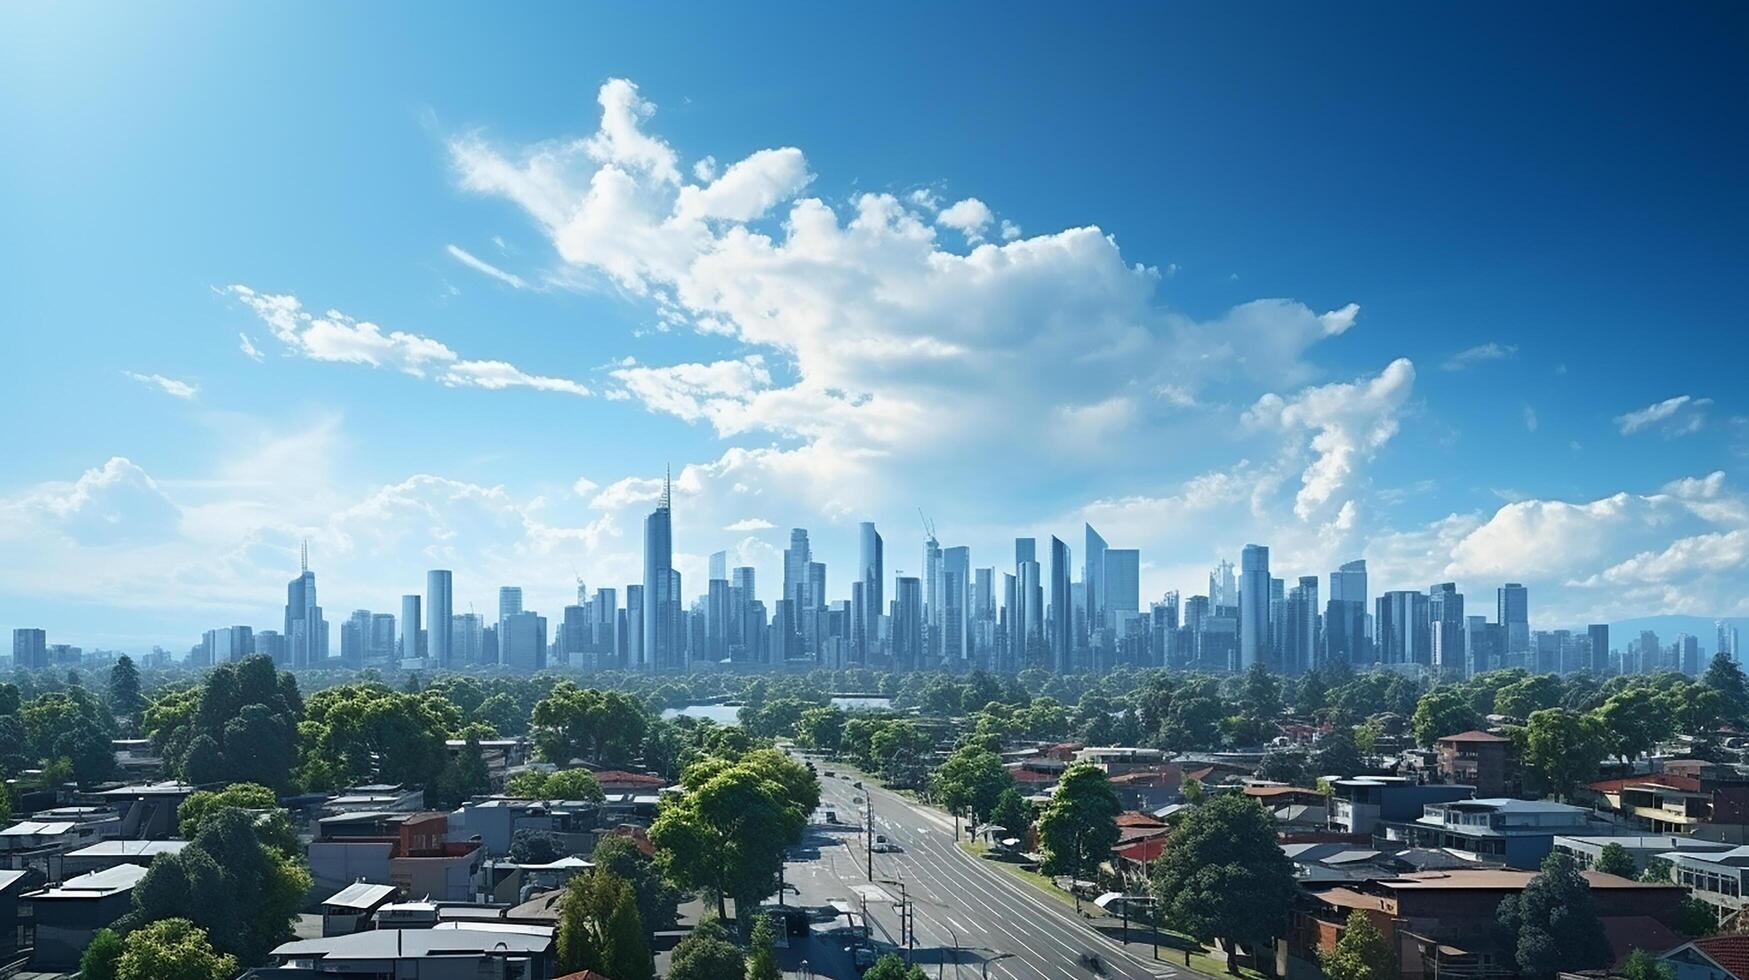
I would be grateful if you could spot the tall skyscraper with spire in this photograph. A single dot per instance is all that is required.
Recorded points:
(661, 598)
(871, 597)
(306, 633)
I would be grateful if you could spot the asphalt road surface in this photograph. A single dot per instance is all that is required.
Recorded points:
(971, 920)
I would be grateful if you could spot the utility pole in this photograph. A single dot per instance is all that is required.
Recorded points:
(907, 917)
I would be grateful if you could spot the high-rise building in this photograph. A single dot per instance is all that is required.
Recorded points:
(1254, 606)
(467, 638)
(1062, 615)
(796, 559)
(271, 644)
(1598, 633)
(632, 657)
(509, 604)
(871, 573)
(1445, 616)
(354, 639)
(719, 566)
(1223, 590)
(381, 648)
(907, 622)
(956, 589)
(1030, 624)
(1120, 582)
(1345, 616)
(933, 598)
(30, 649)
(1300, 627)
(1093, 577)
(306, 631)
(1484, 645)
(1512, 612)
(1726, 642)
(1402, 629)
(522, 641)
(661, 609)
(412, 631)
(439, 610)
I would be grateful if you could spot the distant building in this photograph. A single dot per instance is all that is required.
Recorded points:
(30, 649)
(1478, 759)
(439, 614)
(1254, 606)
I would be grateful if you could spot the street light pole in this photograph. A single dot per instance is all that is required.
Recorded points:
(868, 831)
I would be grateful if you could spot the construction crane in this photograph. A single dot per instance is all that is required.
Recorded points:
(928, 525)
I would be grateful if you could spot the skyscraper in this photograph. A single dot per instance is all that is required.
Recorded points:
(1445, 616)
(1093, 576)
(1062, 642)
(956, 580)
(1223, 591)
(871, 572)
(1512, 612)
(1599, 636)
(1402, 629)
(796, 559)
(661, 639)
(1345, 616)
(907, 622)
(439, 610)
(412, 640)
(1254, 606)
(1300, 629)
(1120, 583)
(719, 566)
(305, 631)
(30, 649)
(933, 598)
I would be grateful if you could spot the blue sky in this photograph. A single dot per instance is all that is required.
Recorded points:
(1556, 191)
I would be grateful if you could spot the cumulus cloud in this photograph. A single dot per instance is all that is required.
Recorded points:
(334, 336)
(169, 386)
(750, 524)
(1479, 354)
(482, 266)
(1345, 424)
(970, 217)
(248, 348)
(1678, 416)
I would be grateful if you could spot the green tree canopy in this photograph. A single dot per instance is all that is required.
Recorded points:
(1443, 711)
(971, 779)
(1078, 827)
(172, 949)
(1553, 925)
(706, 954)
(1726, 677)
(1223, 876)
(891, 967)
(821, 728)
(1360, 954)
(1337, 754)
(101, 955)
(1635, 721)
(762, 952)
(658, 900)
(1615, 860)
(605, 727)
(1012, 812)
(124, 689)
(1563, 748)
(728, 832)
(272, 825)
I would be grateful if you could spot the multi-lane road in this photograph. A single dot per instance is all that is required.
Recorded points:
(970, 919)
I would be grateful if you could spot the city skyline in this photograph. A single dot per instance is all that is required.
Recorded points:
(1064, 319)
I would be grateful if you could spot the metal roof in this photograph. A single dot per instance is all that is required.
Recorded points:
(402, 944)
(360, 895)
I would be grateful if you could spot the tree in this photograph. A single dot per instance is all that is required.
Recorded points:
(572, 784)
(248, 713)
(71, 724)
(1078, 827)
(1658, 870)
(1635, 721)
(579, 943)
(1615, 860)
(1337, 754)
(727, 833)
(1641, 965)
(99, 960)
(535, 847)
(272, 825)
(1285, 766)
(124, 689)
(1695, 918)
(891, 967)
(1012, 812)
(706, 954)
(1260, 697)
(243, 893)
(1726, 677)
(529, 784)
(582, 723)
(1553, 925)
(464, 776)
(971, 779)
(898, 750)
(658, 901)
(1441, 712)
(1223, 876)
(1528, 695)
(1562, 747)
(1191, 723)
(762, 961)
(627, 950)
(1360, 954)
(821, 729)
(172, 949)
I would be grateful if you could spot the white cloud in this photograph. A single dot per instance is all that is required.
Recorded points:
(1678, 416)
(583, 486)
(1011, 231)
(1479, 354)
(750, 524)
(248, 348)
(1530, 422)
(720, 392)
(169, 386)
(969, 217)
(1347, 424)
(334, 336)
(481, 265)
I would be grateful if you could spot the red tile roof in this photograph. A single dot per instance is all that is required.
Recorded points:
(1267, 791)
(1142, 850)
(1034, 776)
(620, 777)
(1133, 818)
(1730, 952)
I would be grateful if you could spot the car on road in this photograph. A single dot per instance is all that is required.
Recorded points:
(831, 816)
(857, 784)
(880, 838)
(885, 847)
(864, 958)
(830, 774)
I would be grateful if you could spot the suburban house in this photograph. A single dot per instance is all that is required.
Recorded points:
(1476, 758)
(66, 916)
(1517, 833)
(1362, 805)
